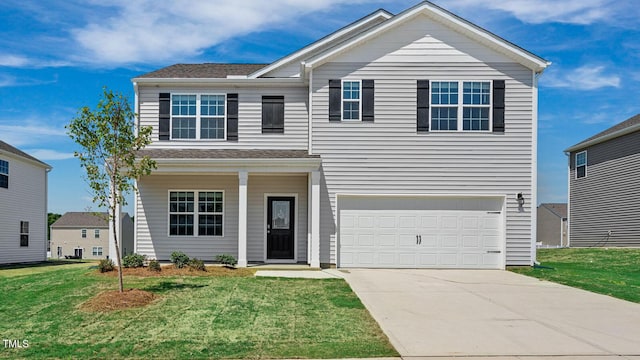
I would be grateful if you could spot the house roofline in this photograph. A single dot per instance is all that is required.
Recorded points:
(33, 161)
(613, 135)
(322, 41)
(525, 57)
(220, 81)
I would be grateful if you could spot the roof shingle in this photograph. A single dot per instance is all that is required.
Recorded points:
(84, 219)
(634, 120)
(559, 209)
(10, 149)
(203, 71)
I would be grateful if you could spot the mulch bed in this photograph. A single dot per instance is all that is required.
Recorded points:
(115, 300)
(170, 270)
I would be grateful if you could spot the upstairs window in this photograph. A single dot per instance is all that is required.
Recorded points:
(351, 100)
(24, 233)
(83, 233)
(198, 116)
(4, 174)
(452, 112)
(581, 164)
(96, 233)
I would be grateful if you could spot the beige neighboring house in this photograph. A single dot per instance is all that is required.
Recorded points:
(552, 225)
(85, 235)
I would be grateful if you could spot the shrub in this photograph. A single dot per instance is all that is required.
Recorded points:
(154, 265)
(227, 260)
(179, 259)
(106, 265)
(133, 260)
(197, 264)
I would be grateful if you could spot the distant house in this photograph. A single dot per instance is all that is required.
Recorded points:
(23, 206)
(552, 225)
(85, 235)
(604, 195)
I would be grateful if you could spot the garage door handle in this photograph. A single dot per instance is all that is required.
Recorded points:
(494, 251)
(418, 239)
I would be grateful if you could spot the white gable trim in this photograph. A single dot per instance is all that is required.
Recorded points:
(446, 18)
(299, 55)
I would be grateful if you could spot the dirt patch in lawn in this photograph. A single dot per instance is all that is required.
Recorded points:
(170, 270)
(115, 300)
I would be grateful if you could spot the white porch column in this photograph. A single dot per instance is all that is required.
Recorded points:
(314, 260)
(243, 177)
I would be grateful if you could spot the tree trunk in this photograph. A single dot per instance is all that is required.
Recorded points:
(114, 208)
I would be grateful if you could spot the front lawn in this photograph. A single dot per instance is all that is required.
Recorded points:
(193, 317)
(614, 272)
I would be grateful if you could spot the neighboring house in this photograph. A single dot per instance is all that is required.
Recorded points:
(85, 235)
(552, 225)
(604, 196)
(402, 140)
(23, 206)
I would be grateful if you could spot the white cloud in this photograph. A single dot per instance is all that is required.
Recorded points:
(19, 61)
(586, 77)
(154, 31)
(12, 81)
(47, 154)
(29, 132)
(541, 11)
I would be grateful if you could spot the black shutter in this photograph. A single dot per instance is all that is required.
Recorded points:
(498, 106)
(165, 116)
(423, 105)
(368, 99)
(335, 98)
(232, 117)
(273, 114)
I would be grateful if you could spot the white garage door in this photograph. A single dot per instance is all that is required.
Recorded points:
(459, 236)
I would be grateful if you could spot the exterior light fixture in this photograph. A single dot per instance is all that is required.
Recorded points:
(520, 200)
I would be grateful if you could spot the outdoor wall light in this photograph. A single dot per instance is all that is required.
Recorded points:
(520, 200)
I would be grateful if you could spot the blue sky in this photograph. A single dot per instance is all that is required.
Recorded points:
(55, 56)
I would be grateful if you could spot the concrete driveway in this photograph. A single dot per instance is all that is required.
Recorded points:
(431, 313)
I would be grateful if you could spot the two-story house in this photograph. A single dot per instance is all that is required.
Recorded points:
(403, 140)
(23, 206)
(86, 235)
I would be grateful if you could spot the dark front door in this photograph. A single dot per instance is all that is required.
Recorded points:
(280, 229)
(78, 253)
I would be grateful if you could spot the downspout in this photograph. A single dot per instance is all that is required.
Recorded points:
(136, 107)
(310, 126)
(46, 209)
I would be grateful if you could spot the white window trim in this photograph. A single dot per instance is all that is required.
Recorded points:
(96, 251)
(198, 116)
(460, 106)
(96, 233)
(196, 213)
(585, 164)
(342, 100)
(83, 233)
(2, 172)
(24, 233)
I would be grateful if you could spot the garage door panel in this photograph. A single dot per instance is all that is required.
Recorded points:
(421, 238)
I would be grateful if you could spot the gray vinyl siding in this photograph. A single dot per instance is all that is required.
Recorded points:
(152, 217)
(549, 228)
(608, 198)
(388, 156)
(280, 184)
(250, 134)
(24, 200)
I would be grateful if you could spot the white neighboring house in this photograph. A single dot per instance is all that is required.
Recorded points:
(398, 141)
(23, 206)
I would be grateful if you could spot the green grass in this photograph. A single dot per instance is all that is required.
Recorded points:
(195, 317)
(614, 272)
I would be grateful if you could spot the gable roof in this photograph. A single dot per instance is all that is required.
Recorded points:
(336, 36)
(626, 127)
(202, 71)
(558, 209)
(448, 19)
(4, 147)
(84, 219)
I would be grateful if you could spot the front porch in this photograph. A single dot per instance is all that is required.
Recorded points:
(261, 206)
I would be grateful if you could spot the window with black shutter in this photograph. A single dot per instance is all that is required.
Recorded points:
(351, 100)
(273, 114)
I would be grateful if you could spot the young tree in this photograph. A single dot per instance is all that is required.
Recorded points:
(109, 145)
